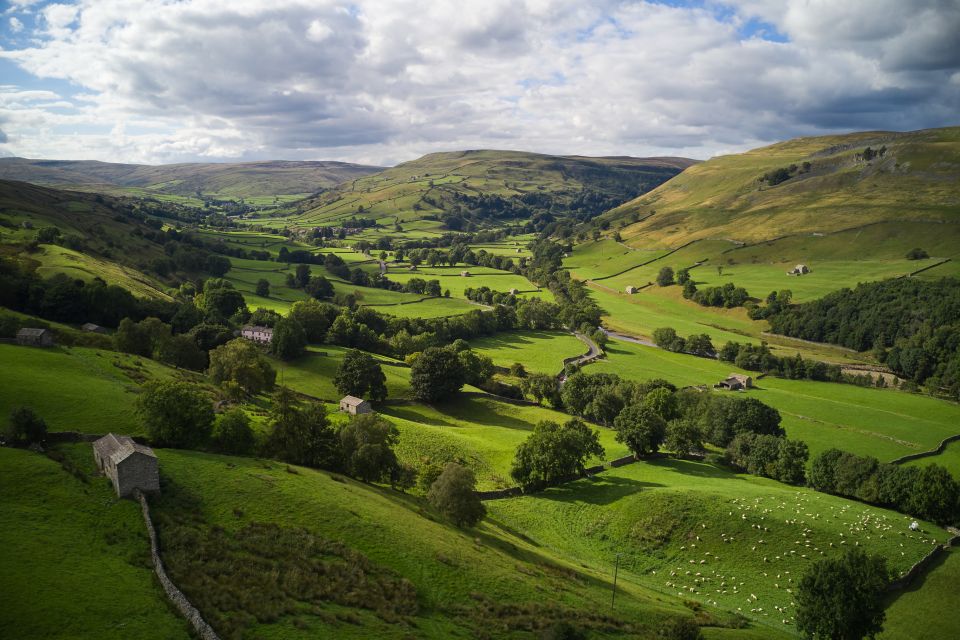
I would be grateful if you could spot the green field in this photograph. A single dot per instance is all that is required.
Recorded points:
(537, 351)
(76, 560)
(447, 566)
(76, 389)
(312, 374)
(950, 458)
(927, 609)
(880, 422)
(56, 259)
(478, 430)
(689, 529)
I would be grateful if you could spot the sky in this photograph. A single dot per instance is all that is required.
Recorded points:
(385, 81)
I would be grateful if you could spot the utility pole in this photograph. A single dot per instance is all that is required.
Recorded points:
(616, 569)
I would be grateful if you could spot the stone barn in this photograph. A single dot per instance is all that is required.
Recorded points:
(35, 337)
(514, 291)
(129, 465)
(92, 328)
(735, 382)
(631, 289)
(799, 270)
(258, 334)
(465, 274)
(355, 406)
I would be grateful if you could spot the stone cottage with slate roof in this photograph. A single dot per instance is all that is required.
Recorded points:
(129, 465)
(35, 337)
(354, 405)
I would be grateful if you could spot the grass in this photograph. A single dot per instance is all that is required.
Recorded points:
(696, 531)
(76, 389)
(537, 351)
(55, 259)
(478, 430)
(926, 610)
(950, 458)
(313, 373)
(880, 422)
(76, 560)
(451, 570)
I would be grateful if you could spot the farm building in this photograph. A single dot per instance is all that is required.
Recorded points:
(799, 270)
(519, 250)
(257, 333)
(34, 337)
(93, 328)
(631, 289)
(514, 291)
(465, 274)
(129, 465)
(412, 267)
(735, 382)
(355, 406)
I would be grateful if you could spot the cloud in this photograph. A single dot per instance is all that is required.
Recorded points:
(385, 80)
(15, 25)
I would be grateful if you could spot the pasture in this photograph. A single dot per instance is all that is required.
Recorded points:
(447, 566)
(477, 429)
(55, 259)
(927, 609)
(76, 560)
(537, 351)
(76, 389)
(696, 531)
(880, 422)
(312, 374)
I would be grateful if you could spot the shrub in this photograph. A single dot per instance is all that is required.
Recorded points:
(232, 433)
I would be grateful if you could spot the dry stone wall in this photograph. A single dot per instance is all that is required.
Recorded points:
(204, 630)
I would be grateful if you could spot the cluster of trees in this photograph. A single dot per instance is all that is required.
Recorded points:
(554, 452)
(698, 344)
(25, 426)
(782, 174)
(486, 295)
(728, 295)
(912, 326)
(759, 358)
(438, 373)
(768, 455)
(929, 492)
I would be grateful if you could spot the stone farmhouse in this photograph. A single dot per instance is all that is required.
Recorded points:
(799, 270)
(130, 466)
(735, 382)
(355, 406)
(257, 333)
(35, 337)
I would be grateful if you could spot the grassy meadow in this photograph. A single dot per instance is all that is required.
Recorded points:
(689, 529)
(76, 560)
(880, 422)
(537, 351)
(925, 610)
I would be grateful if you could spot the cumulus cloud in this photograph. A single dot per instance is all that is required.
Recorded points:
(382, 81)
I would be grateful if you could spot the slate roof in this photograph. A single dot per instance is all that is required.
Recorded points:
(29, 331)
(119, 448)
(353, 401)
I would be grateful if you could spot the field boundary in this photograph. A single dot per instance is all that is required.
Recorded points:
(204, 630)
(904, 581)
(514, 492)
(643, 264)
(926, 454)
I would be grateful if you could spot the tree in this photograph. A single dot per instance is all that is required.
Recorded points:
(301, 275)
(366, 444)
(26, 426)
(554, 451)
(436, 375)
(665, 277)
(315, 318)
(641, 428)
(477, 368)
(263, 288)
(176, 414)
(542, 386)
(360, 375)
(841, 598)
(683, 276)
(663, 402)
(240, 361)
(319, 288)
(289, 339)
(667, 338)
(232, 433)
(131, 338)
(301, 434)
(792, 461)
(683, 437)
(453, 495)
(934, 494)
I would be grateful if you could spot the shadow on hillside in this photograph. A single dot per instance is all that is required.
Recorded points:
(920, 580)
(694, 468)
(598, 490)
(414, 416)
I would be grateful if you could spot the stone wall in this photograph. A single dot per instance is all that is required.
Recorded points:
(204, 630)
(513, 492)
(921, 565)
(923, 454)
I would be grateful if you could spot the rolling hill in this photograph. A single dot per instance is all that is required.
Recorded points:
(221, 180)
(489, 184)
(805, 186)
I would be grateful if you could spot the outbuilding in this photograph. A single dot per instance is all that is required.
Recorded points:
(631, 289)
(92, 328)
(35, 337)
(130, 466)
(735, 382)
(465, 274)
(799, 270)
(355, 406)
(514, 291)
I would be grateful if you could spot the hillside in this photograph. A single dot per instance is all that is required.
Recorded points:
(912, 177)
(487, 184)
(229, 180)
